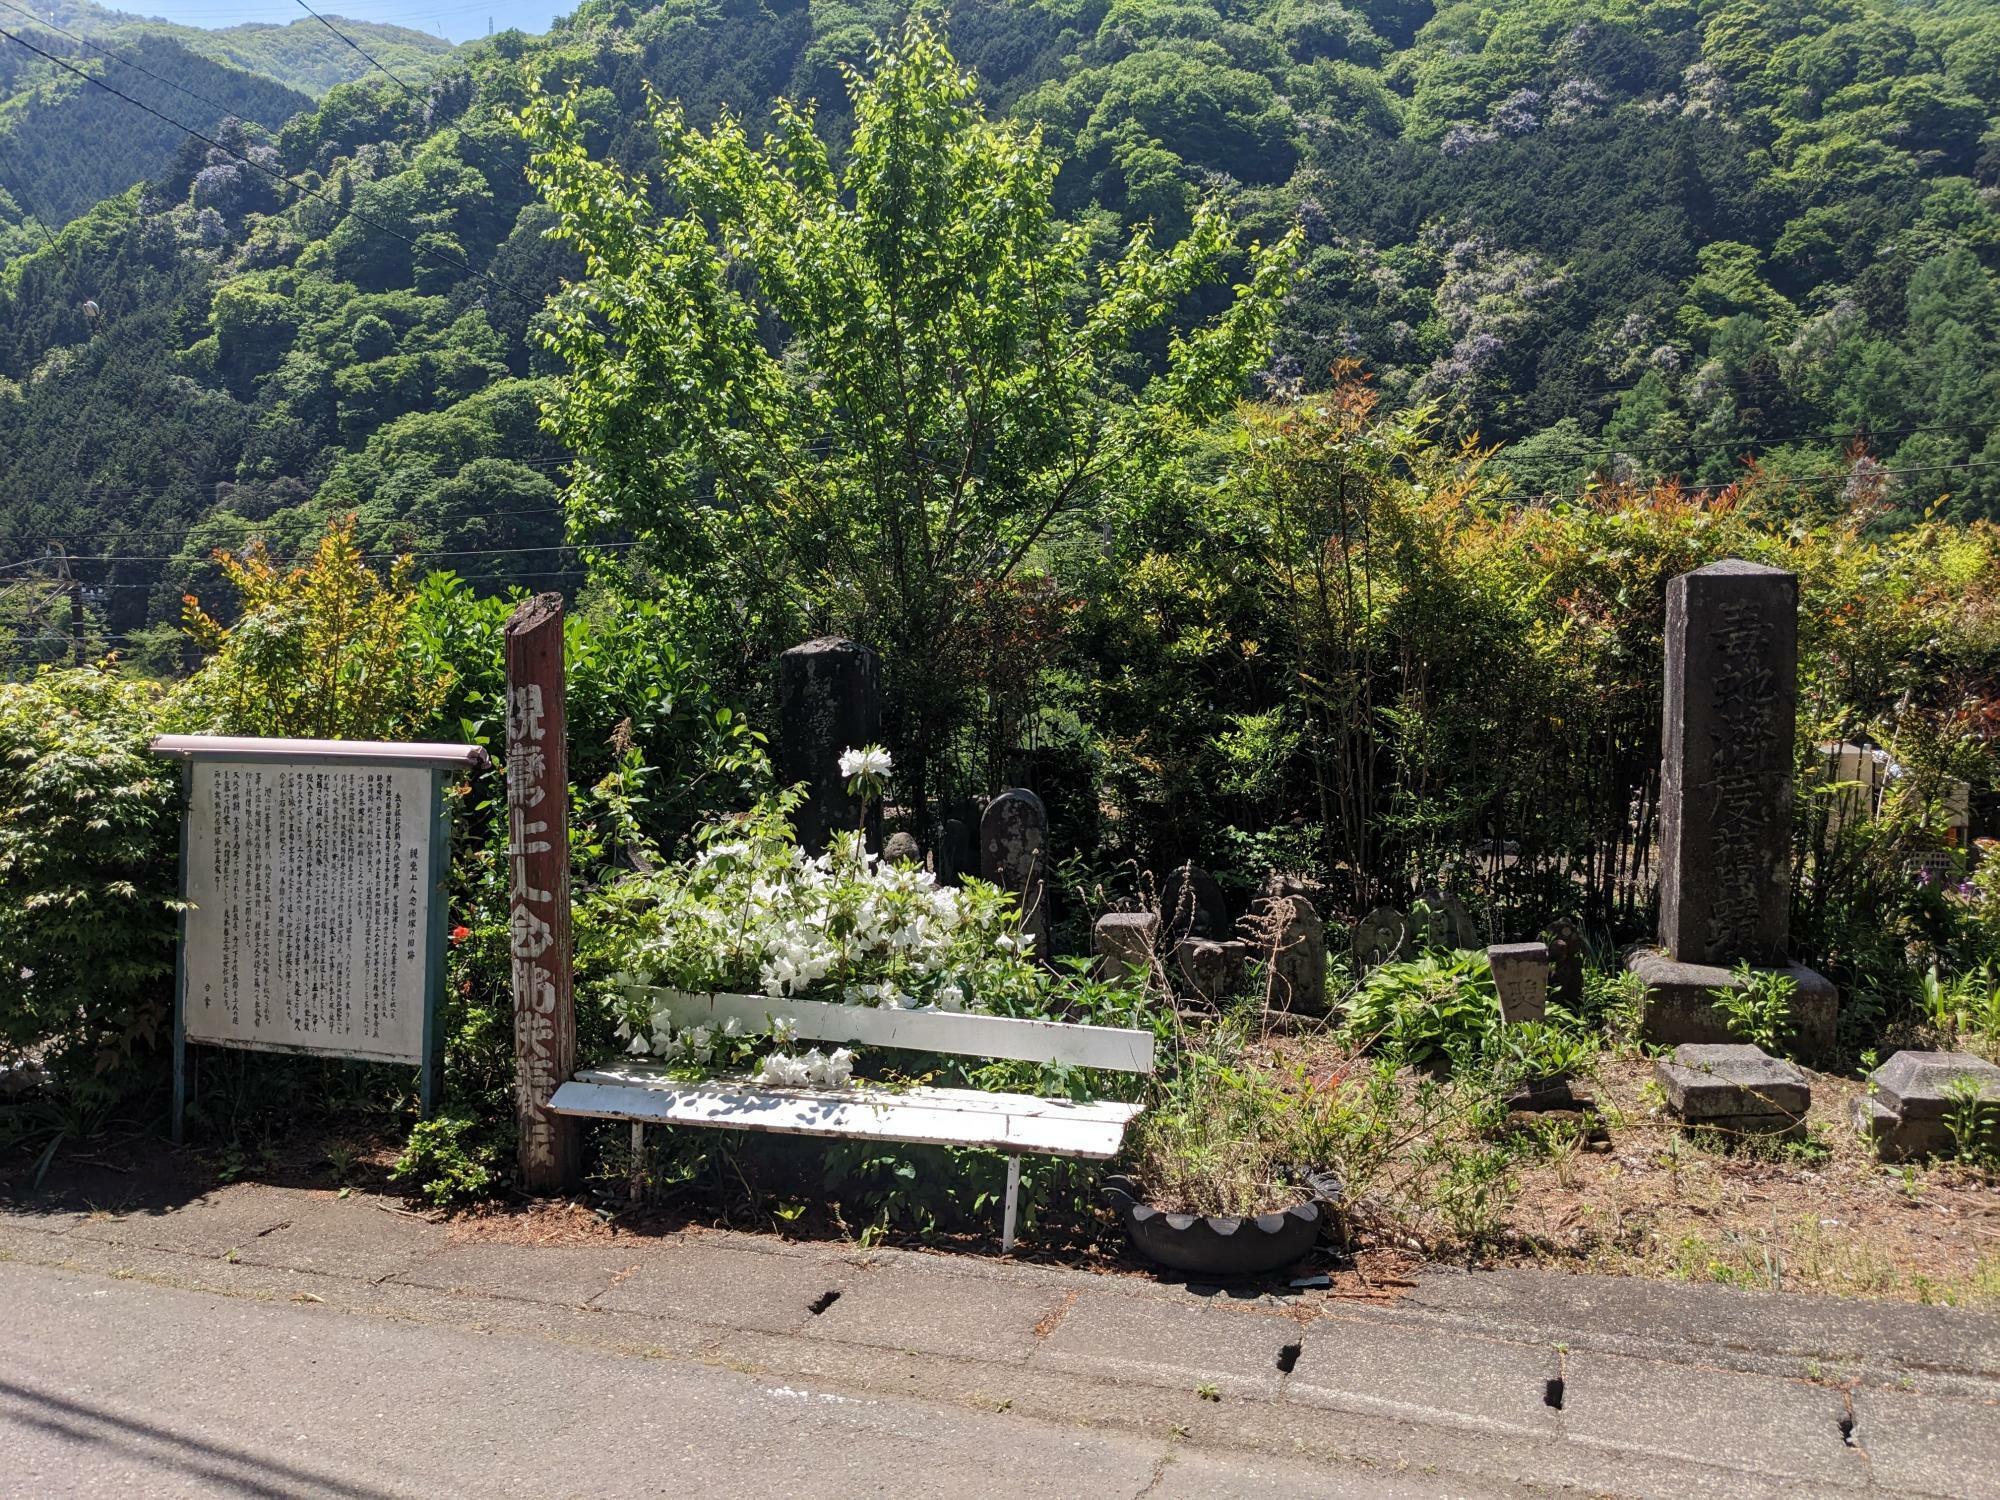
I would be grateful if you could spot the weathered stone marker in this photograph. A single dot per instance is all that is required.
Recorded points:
(1734, 1088)
(957, 851)
(1521, 975)
(1381, 937)
(538, 918)
(1911, 1107)
(829, 700)
(1013, 854)
(902, 849)
(1566, 966)
(1440, 920)
(1213, 970)
(1726, 803)
(1192, 905)
(1287, 920)
(1726, 764)
(1123, 941)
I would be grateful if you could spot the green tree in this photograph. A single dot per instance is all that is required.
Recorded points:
(871, 389)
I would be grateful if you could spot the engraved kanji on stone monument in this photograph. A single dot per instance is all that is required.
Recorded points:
(1730, 706)
(1726, 764)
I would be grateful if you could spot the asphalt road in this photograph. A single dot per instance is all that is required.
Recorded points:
(126, 1388)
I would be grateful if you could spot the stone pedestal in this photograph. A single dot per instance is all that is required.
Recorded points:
(1734, 1088)
(1214, 971)
(829, 700)
(1680, 1003)
(1123, 941)
(1521, 976)
(1910, 1107)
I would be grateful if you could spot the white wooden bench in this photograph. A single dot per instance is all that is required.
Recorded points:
(1018, 1124)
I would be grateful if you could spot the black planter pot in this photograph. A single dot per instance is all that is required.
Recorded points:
(1223, 1245)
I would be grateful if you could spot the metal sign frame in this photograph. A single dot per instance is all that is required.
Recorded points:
(442, 761)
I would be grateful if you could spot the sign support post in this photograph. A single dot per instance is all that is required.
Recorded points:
(538, 916)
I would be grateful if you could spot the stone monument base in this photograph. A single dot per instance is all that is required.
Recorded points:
(1912, 1099)
(1679, 1006)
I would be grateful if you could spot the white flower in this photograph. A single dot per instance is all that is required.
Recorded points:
(638, 1047)
(779, 1071)
(784, 1030)
(732, 1027)
(871, 761)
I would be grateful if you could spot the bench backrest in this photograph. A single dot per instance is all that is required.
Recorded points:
(958, 1033)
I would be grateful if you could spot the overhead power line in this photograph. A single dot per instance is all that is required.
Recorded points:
(227, 110)
(533, 304)
(369, 58)
(381, 555)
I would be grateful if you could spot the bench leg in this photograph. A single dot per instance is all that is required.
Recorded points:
(638, 1159)
(1013, 1205)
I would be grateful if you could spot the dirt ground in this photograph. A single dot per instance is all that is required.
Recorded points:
(1822, 1216)
(1819, 1216)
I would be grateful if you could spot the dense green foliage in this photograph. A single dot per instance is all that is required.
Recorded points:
(300, 54)
(1626, 237)
(65, 143)
(954, 383)
(88, 876)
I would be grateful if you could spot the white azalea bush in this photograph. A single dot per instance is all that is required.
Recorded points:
(755, 914)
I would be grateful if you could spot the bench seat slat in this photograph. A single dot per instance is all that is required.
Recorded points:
(960, 1033)
(977, 1101)
(841, 1113)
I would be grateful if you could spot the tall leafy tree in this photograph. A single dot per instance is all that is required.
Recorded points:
(870, 387)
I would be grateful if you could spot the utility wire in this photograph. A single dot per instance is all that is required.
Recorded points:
(533, 304)
(389, 553)
(463, 134)
(129, 557)
(22, 198)
(227, 110)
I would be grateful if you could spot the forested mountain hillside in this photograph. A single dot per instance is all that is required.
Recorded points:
(295, 54)
(65, 144)
(1625, 237)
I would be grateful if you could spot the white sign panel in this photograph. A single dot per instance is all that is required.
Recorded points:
(311, 893)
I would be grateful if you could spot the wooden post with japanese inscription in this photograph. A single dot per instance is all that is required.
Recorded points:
(538, 893)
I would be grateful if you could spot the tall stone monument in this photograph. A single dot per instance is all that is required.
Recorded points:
(1013, 854)
(829, 700)
(1726, 803)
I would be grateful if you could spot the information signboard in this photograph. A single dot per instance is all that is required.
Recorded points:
(315, 875)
